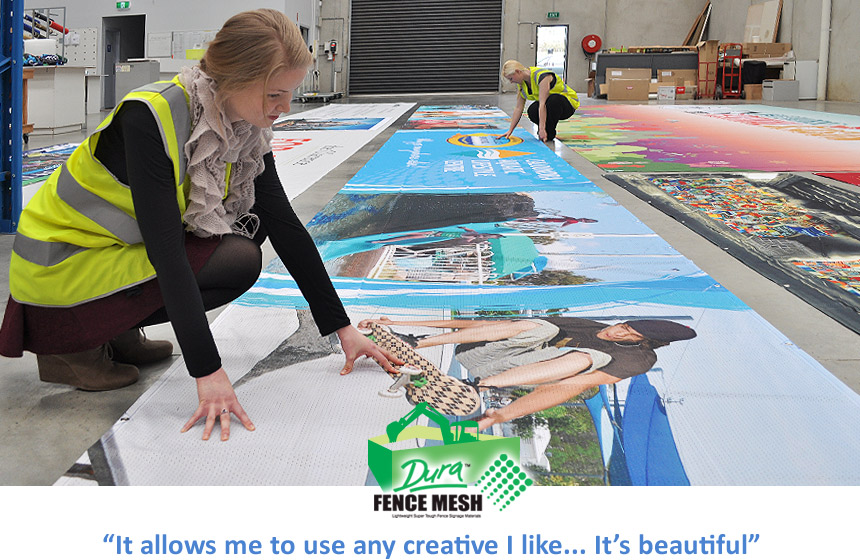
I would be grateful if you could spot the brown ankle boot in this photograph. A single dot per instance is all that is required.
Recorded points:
(132, 347)
(92, 370)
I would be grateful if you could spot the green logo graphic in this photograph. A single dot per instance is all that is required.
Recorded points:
(464, 458)
(504, 481)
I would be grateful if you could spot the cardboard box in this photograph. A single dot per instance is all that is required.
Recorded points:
(628, 74)
(708, 51)
(678, 77)
(604, 89)
(765, 50)
(592, 78)
(685, 92)
(622, 89)
(666, 93)
(780, 90)
(752, 91)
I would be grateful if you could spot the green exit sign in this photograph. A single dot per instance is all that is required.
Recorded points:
(123, 5)
(549, 15)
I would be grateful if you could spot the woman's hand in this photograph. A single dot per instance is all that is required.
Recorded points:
(490, 417)
(355, 344)
(542, 134)
(217, 401)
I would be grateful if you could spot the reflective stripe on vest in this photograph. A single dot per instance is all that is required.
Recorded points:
(78, 238)
(227, 174)
(560, 87)
(44, 253)
(176, 99)
(97, 209)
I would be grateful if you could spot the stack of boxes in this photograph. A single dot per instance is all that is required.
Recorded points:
(676, 84)
(635, 84)
(627, 84)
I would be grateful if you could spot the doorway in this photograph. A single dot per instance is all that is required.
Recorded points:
(551, 48)
(123, 38)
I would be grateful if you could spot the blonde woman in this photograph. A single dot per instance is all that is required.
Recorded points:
(554, 101)
(159, 216)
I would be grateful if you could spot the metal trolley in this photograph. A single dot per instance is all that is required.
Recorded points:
(729, 64)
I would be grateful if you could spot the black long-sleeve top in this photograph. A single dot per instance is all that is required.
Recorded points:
(132, 149)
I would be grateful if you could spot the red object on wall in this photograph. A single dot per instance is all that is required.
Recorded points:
(591, 44)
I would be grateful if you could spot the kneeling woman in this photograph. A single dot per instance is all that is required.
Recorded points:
(554, 101)
(159, 216)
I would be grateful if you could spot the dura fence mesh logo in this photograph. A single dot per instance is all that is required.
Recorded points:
(464, 459)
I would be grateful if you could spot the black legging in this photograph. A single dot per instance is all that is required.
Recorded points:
(558, 108)
(231, 270)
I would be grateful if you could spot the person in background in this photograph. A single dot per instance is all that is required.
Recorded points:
(159, 216)
(554, 101)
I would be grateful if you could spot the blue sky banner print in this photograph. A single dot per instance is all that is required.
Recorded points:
(450, 160)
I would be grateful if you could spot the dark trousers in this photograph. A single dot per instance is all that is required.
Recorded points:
(558, 108)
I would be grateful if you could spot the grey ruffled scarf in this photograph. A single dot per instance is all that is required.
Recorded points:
(215, 141)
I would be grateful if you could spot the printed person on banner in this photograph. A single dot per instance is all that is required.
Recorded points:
(556, 358)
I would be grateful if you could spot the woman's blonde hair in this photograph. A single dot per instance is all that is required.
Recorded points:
(511, 66)
(251, 47)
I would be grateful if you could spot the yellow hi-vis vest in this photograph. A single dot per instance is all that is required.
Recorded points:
(535, 74)
(78, 238)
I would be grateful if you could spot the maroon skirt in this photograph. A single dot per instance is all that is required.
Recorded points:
(54, 330)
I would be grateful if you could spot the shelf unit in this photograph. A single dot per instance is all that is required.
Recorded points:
(11, 112)
(44, 22)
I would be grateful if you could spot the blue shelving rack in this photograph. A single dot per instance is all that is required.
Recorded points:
(11, 112)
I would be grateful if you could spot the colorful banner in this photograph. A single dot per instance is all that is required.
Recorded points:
(684, 138)
(448, 161)
(39, 164)
(798, 232)
(610, 356)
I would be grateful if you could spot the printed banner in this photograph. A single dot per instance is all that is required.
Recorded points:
(445, 161)
(39, 164)
(850, 178)
(309, 144)
(798, 232)
(679, 138)
(529, 305)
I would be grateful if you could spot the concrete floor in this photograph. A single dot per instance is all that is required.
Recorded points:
(44, 428)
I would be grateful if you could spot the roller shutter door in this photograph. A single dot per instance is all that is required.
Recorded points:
(424, 46)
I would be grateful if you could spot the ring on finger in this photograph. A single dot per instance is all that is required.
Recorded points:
(225, 411)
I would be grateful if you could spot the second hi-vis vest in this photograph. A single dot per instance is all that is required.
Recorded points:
(535, 74)
(78, 238)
